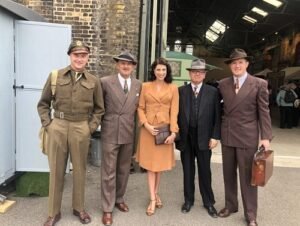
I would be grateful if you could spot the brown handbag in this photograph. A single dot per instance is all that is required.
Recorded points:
(262, 167)
(163, 133)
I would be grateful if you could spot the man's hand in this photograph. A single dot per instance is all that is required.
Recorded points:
(212, 143)
(265, 144)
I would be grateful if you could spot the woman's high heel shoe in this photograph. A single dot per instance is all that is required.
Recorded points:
(151, 207)
(159, 204)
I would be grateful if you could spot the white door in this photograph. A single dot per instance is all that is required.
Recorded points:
(40, 48)
(7, 142)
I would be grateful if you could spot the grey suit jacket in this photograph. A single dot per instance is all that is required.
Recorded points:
(119, 119)
(246, 116)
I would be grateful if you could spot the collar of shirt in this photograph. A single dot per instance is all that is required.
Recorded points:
(241, 79)
(122, 81)
(198, 87)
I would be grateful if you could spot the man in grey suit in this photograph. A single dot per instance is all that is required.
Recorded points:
(246, 124)
(199, 129)
(121, 95)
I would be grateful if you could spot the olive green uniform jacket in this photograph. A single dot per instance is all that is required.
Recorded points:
(77, 102)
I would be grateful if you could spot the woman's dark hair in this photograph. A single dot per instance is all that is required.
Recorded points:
(162, 61)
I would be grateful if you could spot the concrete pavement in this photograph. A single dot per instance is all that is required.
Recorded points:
(279, 203)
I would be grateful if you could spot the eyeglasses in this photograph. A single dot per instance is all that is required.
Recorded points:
(198, 72)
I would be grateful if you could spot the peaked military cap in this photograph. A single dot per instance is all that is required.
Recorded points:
(78, 47)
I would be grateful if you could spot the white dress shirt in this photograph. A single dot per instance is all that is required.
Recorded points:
(122, 81)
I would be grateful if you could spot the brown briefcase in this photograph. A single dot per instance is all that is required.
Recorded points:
(262, 167)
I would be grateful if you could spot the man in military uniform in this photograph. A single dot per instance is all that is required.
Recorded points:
(78, 108)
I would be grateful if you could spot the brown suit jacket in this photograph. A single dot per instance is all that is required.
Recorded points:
(246, 116)
(119, 119)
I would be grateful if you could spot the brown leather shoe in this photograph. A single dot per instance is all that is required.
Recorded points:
(83, 216)
(252, 223)
(51, 221)
(107, 218)
(225, 212)
(122, 207)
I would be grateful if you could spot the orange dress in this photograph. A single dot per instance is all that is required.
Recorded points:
(157, 108)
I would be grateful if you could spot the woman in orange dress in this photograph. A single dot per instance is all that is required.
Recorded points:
(158, 105)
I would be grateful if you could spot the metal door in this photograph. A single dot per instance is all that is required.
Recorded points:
(7, 147)
(40, 48)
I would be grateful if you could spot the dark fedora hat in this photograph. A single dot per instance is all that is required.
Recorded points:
(78, 47)
(125, 56)
(238, 54)
(198, 64)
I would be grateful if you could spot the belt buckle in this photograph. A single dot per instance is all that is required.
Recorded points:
(61, 115)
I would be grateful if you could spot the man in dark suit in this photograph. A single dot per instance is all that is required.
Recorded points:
(246, 124)
(199, 130)
(121, 96)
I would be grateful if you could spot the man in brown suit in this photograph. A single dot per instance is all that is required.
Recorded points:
(246, 124)
(78, 108)
(121, 95)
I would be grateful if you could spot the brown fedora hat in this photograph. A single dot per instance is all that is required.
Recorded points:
(238, 54)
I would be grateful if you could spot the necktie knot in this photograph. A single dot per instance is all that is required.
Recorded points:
(125, 88)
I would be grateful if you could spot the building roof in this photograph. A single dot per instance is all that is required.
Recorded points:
(21, 11)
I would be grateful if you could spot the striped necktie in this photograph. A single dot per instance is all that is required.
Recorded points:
(125, 87)
(236, 85)
(195, 91)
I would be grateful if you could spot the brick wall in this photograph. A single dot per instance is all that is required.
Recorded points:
(107, 26)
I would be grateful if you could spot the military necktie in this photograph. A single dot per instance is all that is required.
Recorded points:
(195, 91)
(77, 76)
(236, 85)
(125, 87)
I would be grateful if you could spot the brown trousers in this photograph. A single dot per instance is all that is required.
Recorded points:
(67, 137)
(115, 167)
(242, 158)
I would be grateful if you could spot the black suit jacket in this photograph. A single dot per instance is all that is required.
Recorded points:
(208, 122)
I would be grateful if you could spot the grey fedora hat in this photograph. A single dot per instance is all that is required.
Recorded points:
(125, 56)
(198, 64)
(237, 54)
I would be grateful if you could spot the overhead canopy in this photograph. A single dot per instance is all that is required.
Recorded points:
(263, 72)
(21, 11)
(190, 22)
(292, 73)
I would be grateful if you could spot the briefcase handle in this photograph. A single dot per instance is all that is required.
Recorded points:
(260, 150)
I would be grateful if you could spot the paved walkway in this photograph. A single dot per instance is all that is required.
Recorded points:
(279, 203)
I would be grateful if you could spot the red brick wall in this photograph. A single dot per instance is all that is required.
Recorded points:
(107, 26)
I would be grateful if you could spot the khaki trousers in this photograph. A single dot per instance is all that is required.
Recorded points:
(67, 137)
